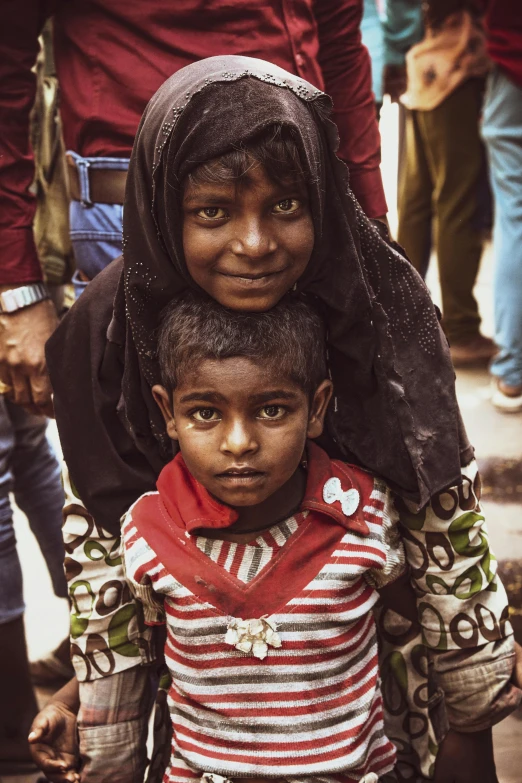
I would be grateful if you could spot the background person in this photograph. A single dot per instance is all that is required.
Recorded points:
(441, 188)
(29, 469)
(110, 57)
(104, 89)
(502, 133)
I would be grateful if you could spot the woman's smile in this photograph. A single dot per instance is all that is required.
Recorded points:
(250, 280)
(242, 246)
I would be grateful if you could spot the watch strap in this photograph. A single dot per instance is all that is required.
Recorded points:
(22, 296)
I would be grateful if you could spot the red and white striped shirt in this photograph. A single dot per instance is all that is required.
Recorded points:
(312, 707)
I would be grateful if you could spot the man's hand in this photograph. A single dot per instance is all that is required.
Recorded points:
(54, 744)
(394, 81)
(466, 758)
(23, 335)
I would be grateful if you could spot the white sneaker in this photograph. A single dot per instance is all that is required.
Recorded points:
(503, 402)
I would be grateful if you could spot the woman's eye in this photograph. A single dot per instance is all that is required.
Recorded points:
(287, 206)
(212, 213)
(272, 412)
(205, 414)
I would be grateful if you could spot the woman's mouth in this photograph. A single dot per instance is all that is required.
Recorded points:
(249, 280)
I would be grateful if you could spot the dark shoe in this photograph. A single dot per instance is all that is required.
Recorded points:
(55, 669)
(476, 352)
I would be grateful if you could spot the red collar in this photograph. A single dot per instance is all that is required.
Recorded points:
(190, 506)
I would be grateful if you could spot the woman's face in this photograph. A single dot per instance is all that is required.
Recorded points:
(246, 243)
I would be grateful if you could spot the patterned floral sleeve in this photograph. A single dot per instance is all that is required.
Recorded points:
(462, 602)
(463, 607)
(108, 634)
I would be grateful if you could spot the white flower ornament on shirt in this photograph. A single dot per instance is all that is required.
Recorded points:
(253, 636)
(349, 499)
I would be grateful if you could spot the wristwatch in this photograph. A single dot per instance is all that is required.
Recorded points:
(23, 296)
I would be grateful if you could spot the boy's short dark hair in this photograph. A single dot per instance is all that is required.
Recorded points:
(274, 149)
(290, 337)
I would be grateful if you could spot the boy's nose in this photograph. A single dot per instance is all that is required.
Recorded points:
(238, 440)
(254, 240)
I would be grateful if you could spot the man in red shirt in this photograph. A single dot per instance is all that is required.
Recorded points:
(502, 132)
(111, 56)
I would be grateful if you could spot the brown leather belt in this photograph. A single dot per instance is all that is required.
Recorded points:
(105, 185)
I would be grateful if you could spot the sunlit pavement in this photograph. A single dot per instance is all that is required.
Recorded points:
(494, 435)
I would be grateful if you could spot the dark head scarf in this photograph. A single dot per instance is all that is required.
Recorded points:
(395, 408)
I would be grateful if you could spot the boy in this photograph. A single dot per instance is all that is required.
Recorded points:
(263, 556)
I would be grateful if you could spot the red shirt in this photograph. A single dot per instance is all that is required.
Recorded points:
(504, 30)
(112, 55)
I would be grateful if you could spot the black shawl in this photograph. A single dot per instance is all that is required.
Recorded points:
(395, 408)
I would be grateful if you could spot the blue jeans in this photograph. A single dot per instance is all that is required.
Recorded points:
(95, 228)
(29, 469)
(502, 133)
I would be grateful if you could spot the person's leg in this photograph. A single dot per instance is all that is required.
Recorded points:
(38, 492)
(415, 196)
(38, 489)
(456, 159)
(502, 132)
(17, 702)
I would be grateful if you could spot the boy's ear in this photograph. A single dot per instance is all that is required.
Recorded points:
(164, 402)
(322, 397)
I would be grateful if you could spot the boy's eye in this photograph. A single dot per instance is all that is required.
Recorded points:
(212, 213)
(272, 412)
(205, 414)
(287, 206)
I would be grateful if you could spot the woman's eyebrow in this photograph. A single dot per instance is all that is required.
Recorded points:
(209, 197)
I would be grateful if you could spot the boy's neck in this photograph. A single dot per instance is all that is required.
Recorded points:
(255, 519)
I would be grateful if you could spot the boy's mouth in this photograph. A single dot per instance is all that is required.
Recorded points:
(244, 475)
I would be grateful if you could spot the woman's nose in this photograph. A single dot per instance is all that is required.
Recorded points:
(254, 239)
(239, 440)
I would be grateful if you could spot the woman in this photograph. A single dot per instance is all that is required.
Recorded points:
(395, 410)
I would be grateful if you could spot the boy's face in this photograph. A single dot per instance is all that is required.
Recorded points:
(241, 427)
(247, 244)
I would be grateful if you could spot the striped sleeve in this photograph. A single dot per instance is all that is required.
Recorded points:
(138, 558)
(395, 564)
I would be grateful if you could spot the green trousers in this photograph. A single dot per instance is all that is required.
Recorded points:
(441, 192)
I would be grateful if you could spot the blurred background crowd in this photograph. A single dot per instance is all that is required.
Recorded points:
(447, 89)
